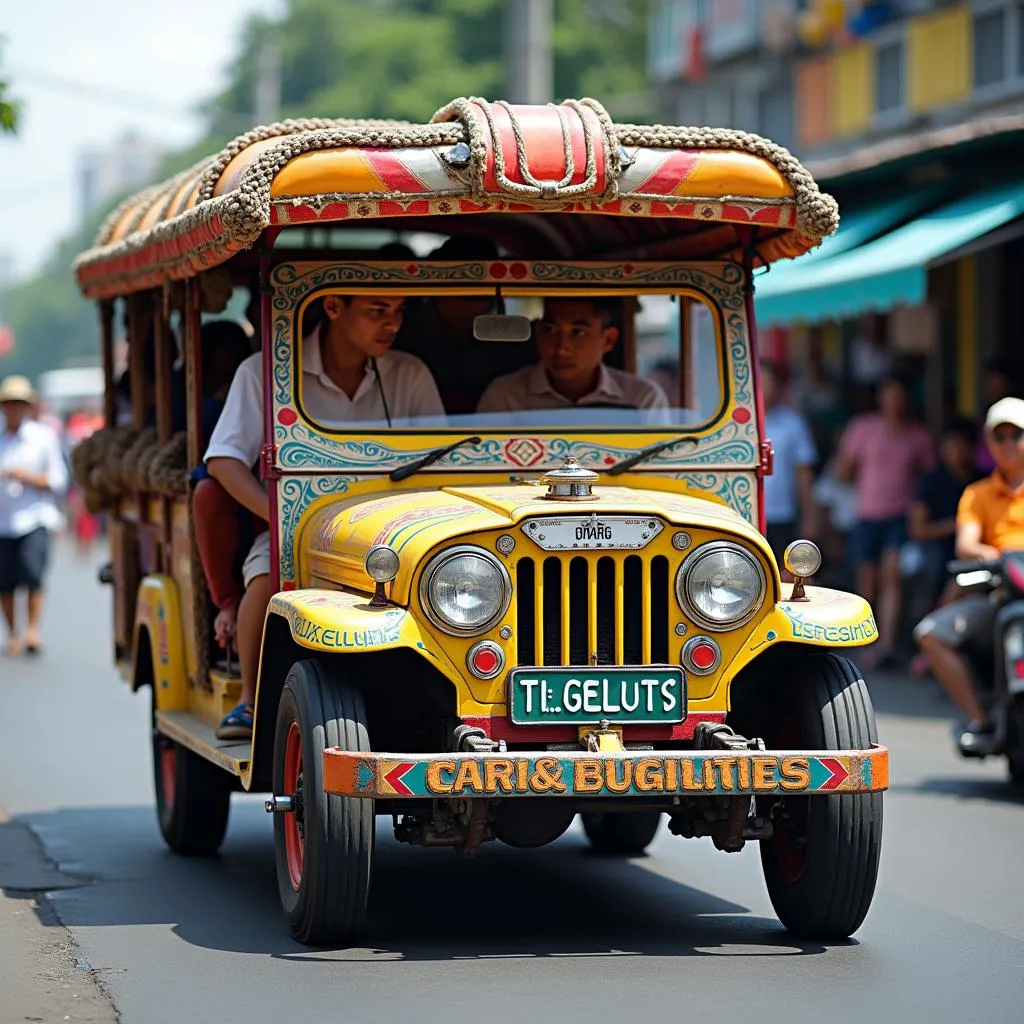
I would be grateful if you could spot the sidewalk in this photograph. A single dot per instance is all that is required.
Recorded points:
(42, 978)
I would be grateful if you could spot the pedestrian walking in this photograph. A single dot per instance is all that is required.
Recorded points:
(884, 454)
(32, 476)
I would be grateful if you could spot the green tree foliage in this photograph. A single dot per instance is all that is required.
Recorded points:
(9, 108)
(359, 58)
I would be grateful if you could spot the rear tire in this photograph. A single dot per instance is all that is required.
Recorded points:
(323, 850)
(1015, 742)
(821, 865)
(622, 834)
(193, 798)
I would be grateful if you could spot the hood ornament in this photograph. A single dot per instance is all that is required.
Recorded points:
(571, 482)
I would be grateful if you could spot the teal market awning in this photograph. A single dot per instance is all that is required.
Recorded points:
(889, 271)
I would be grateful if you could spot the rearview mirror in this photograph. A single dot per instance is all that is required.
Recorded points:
(502, 327)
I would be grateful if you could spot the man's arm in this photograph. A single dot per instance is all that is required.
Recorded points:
(238, 480)
(237, 439)
(53, 478)
(922, 527)
(970, 530)
(848, 455)
(969, 545)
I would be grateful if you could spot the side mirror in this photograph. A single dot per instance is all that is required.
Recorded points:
(502, 327)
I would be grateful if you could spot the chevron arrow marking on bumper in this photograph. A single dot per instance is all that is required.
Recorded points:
(838, 770)
(394, 778)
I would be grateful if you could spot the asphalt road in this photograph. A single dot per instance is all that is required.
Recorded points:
(552, 935)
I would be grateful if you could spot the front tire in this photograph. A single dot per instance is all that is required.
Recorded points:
(821, 865)
(324, 848)
(624, 834)
(193, 798)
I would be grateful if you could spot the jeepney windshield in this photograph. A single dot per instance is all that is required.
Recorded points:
(592, 363)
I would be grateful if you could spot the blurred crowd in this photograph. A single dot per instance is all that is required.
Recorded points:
(876, 489)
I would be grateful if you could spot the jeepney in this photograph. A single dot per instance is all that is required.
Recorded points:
(483, 627)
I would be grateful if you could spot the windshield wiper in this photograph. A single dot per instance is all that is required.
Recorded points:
(430, 458)
(646, 453)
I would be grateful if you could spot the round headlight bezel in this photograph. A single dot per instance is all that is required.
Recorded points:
(689, 606)
(441, 559)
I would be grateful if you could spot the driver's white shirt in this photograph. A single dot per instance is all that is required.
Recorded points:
(407, 383)
(529, 388)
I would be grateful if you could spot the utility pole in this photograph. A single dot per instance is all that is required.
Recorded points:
(267, 98)
(529, 68)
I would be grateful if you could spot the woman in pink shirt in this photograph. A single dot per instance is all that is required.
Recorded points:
(883, 454)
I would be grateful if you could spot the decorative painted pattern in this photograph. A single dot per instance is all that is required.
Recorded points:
(737, 490)
(296, 495)
(301, 447)
(690, 773)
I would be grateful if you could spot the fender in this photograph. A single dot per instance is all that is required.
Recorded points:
(158, 610)
(828, 619)
(337, 622)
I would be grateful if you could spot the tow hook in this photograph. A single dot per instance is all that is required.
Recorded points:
(737, 819)
(718, 736)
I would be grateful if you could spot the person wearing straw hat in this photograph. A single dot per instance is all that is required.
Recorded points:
(32, 474)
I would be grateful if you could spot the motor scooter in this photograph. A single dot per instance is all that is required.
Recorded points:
(999, 669)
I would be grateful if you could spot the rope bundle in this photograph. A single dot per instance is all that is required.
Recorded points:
(119, 462)
(244, 211)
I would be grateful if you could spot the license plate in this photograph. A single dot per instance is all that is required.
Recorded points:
(552, 696)
(592, 531)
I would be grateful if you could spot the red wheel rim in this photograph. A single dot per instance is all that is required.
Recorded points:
(791, 858)
(168, 771)
(293, 839)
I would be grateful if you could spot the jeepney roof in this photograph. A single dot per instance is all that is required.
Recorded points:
(556, 181)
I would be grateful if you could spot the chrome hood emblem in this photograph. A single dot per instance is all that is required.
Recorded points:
(571, 482)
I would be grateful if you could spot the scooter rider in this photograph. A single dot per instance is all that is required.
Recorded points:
(989, 521)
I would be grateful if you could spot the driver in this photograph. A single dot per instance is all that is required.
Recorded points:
(572, 338)
(989, 521)
(348, 374)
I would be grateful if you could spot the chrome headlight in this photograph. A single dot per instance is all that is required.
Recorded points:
(721, 585)
(465, 590)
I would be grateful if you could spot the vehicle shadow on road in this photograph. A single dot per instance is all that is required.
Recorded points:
(993, 790)
(427, 905)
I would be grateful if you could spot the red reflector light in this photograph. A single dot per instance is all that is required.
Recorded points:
(485, 661)
(1018, 669)
(703, 655)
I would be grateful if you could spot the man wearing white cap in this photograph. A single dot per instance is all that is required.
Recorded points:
(989, 521)
(32, 474)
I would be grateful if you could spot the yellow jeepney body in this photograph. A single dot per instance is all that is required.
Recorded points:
(581, 207)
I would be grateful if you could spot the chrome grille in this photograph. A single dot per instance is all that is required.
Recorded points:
(568, 609)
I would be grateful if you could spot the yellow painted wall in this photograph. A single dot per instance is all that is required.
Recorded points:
(939, 50)
(853, 89)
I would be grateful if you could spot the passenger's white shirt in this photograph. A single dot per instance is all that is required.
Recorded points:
(794, 449)
(34, 448)
(407, 383)
(529, 388)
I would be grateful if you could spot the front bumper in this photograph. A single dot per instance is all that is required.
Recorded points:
(585, 774)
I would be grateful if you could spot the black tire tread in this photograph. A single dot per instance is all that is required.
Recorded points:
(833, 895)
(622, 834)
(196, 824)
(331, 904)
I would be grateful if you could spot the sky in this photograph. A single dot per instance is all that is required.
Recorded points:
(88, 73)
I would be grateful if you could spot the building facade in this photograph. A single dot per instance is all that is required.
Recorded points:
(910, 112)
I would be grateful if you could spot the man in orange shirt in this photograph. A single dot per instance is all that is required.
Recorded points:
(989, 521)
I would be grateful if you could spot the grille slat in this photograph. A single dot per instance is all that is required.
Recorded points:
(569, 608)
(551, 599)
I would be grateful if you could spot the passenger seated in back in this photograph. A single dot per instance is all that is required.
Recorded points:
(572, 339)
(348, 375)
(222, 526)
(440, 332)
